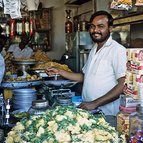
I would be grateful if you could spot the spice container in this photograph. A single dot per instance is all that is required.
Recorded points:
(136, 125)
(123, 119)
(38, 107)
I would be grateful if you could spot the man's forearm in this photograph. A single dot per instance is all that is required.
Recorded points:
(72, 76)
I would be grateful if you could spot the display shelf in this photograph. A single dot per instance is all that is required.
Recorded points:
(138, 17)
(76, 2)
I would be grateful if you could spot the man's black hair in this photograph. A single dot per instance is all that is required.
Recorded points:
(3, 37)
(98, 13)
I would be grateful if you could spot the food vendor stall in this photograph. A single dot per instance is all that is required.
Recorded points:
(58, 122)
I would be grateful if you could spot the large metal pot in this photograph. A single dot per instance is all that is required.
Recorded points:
(22, 98)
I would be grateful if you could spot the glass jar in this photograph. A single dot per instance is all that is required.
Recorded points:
(123, 119)
(63, 101)
(136, 125)
(38, 107)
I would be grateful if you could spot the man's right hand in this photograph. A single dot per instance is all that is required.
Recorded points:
(53, 71)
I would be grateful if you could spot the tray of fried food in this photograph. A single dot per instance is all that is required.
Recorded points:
(40, 69)
(41, 56)
(21, 79)
(24, 61)
(50, 64)
(20, 82)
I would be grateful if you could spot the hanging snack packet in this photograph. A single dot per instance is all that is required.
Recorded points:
(114, 5)
(121, 4)
(1, 5)
(15, 9)
(139, 3)
(6, 6)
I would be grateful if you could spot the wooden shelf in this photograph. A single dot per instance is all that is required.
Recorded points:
(76, 2)
(128, 19)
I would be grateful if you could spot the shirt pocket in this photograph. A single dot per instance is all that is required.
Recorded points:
(104, 67)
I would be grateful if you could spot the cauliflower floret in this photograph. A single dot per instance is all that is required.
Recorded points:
(74, 129)
(102, 121)
(52, 126)
(40, 123)
(9, 139)
(40, 131)
(60, 117)
(82, 121)
(70, 114)
(84, 114)
(62, 136)
(89, 137)
(19, 127)
(28, 123)
(12, 137)
(102, 135)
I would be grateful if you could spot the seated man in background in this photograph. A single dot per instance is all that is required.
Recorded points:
(2, 63)
(3, 40)
(21, 50)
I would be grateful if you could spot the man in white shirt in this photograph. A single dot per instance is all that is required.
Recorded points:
(104, 72)
(21, 50)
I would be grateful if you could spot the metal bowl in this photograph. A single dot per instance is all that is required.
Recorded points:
(21, 84)
(25, 62)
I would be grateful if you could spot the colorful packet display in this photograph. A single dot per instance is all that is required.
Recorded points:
(121, 4)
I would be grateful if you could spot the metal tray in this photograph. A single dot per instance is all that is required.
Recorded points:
(20, 84)
(25, 62)
(65, 83)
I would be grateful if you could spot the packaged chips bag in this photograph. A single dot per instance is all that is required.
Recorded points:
(121, 4)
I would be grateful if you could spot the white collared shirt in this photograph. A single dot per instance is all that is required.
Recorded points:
(18, 53)
(101, 72)
(2, 67)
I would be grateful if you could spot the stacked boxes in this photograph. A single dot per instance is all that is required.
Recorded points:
(130, 99)
(134, 73)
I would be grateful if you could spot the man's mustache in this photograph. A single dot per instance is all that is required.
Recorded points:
(95, 33)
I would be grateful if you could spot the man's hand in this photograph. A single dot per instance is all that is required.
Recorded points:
(87, 105)
(53, 71)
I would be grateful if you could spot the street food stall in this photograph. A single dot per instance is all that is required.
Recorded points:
(36, 107)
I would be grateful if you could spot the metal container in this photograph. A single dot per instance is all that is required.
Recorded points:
(21, 84)
(38, 107)
(63, 101)
(22, 98)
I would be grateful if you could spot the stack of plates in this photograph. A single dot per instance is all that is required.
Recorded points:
(22, 98)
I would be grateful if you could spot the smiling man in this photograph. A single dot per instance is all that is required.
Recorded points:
(104, 72)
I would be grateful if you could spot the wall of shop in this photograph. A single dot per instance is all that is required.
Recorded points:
(58, 36)
(59, 15)
(103, 4)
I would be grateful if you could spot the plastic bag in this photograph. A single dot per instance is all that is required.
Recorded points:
(121, 4)
(139, 3)
(12, 7)
(1, 3)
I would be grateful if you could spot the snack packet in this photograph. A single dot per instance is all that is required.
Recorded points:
(1, 5)
(139, 3)
(121, 4)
